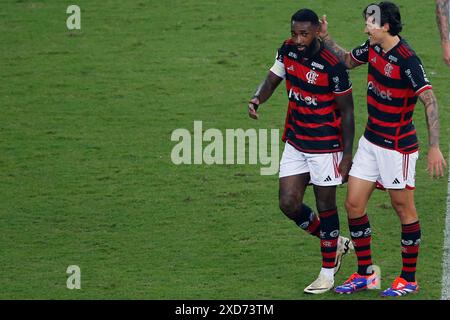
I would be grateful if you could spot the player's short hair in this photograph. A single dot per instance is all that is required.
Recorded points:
(306, 15)
(390, 13)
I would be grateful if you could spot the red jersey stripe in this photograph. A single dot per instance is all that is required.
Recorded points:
(406, 50)
(384, 67)
(317, 125)
(310, 111)
(388, 109)
(328, 59)
(301, 137)
(425, 88)
(402, 52)
(330, 56)
(300, 71)
(388, 124)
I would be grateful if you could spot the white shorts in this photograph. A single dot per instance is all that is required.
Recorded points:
(322, 167)
(390, 169)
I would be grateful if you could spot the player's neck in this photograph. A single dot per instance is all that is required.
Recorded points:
(316, 47)
(389, 43)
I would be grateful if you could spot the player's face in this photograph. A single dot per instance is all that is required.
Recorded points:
(303, 34)
(374, 31)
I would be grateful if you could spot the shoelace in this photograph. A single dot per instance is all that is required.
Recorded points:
(397, 282)
(352, 277)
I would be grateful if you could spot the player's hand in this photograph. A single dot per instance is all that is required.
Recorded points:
(323, 32)
(436, 162)
(345, 166)
(446, 52)
(251, 108)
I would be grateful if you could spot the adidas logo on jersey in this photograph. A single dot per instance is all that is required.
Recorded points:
(328, 179)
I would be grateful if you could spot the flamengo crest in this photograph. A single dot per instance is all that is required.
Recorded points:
(312, 77)
(388, 70)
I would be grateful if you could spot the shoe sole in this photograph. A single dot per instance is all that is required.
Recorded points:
(414, 292)
(350, 292)
(319, 291)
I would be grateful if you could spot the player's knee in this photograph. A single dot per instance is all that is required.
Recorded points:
(403, 209)
(324, 205)
(353, 206)
(289, 206)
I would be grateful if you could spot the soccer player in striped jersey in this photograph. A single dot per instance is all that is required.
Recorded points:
(319, 132)
(388, 151)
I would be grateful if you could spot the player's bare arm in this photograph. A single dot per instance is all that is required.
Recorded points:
(346, 107)
(341, 53)
(436, 161)
(442, 18)
(263, 93)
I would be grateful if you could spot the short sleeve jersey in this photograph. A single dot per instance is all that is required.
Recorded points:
(313, 122)
(395, 80)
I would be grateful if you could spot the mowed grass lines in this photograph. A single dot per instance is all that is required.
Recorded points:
(86, 175)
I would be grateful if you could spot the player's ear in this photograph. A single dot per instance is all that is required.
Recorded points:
(317, 30)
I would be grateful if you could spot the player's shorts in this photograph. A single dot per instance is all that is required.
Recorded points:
(322, 167)
(390, 169)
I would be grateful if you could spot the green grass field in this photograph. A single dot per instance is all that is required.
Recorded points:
(86, 176)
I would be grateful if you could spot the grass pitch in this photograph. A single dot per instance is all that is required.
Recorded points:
(86, 174)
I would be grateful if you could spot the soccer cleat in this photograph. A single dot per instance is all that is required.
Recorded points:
(357, 282)
(320, 285)
(343, 247)
(400, 287)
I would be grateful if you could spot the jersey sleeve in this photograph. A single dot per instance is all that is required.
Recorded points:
(339, 82)
(415, 75)
(278, 66)
(361, 54)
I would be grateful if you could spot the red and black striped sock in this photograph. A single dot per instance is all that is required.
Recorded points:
(362, 236)
(308, 220)
(329, 234)
(410, 250)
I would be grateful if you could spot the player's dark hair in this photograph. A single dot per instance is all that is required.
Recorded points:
(390, 13)
(306, 15)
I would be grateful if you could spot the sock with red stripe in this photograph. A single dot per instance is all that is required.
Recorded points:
(329, 234)
(308, 220)
(362, 236)
(410, 250)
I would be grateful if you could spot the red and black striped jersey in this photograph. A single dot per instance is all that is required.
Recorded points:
(395, 80)
(313, 122)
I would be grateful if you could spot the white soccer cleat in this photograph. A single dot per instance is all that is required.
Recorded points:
(343, 247)
(321, 285)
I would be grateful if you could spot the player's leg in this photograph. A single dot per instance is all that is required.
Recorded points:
(294, 178)
(361, 184)
(403, 203)
(329, 227)
(402, 171)
(291, 192)
(325, 177)
(358, 194)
